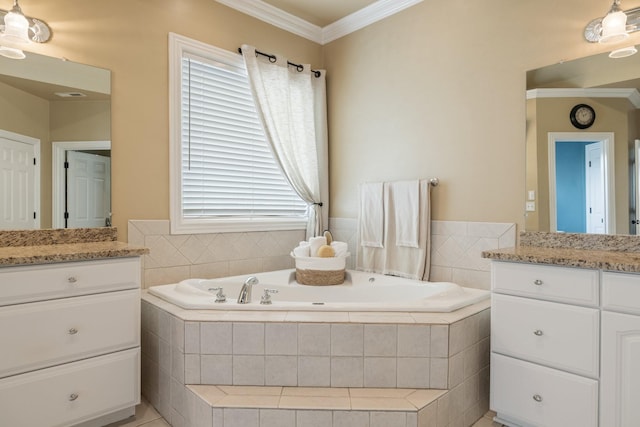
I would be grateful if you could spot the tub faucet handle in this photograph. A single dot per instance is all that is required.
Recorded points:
(220, 296)
(266, 298)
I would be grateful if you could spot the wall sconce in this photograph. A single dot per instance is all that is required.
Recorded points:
(614, 27)
(17, 29)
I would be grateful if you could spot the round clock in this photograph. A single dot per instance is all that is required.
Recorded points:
(582, 116)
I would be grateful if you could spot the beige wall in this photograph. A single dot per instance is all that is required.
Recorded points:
(437, 90)
(552, 115)
(80, 121)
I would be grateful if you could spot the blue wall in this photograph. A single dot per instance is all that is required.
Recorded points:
(571, 197)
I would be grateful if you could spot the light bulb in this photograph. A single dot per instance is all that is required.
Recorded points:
(614, 25)
(16, 26)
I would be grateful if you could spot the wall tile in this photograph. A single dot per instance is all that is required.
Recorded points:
(314, 371)
(388, 419)
(248, 370)
(192, 337)
(439, 373)
(414, 340)
(347, 340)
(277, 418)
(380, 372)
(456, 370)
(380, 340)
(350, 419)
(177, 333)
(281, 338)
(313, 419)
(216, 338)
(314, 339)
(281, 370)
(413, 372)
(347, 372)
(192, 369)
(248, 338)
(439, 345)
(241, 417)
(428, 416)
(216, 369)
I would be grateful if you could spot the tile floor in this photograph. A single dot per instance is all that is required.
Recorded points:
(147, 416)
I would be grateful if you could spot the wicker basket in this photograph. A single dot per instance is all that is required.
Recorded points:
(315, 271)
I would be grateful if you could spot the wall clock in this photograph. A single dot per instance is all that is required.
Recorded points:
(582, 116)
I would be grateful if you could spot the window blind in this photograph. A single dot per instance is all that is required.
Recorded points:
(228, 170)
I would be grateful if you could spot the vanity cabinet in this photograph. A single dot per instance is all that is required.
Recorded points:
(545, 348)
(620, 369)
(70, 335)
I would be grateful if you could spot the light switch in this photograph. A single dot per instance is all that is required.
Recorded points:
(532, 195)
(530, 207)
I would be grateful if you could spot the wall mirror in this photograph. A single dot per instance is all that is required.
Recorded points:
(581, 177)
(55, 144)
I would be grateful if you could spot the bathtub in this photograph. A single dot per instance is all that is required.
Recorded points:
(360, 292)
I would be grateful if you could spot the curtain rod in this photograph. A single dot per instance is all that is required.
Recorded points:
(272, 59)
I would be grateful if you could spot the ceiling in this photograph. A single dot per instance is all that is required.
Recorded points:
(320, 12)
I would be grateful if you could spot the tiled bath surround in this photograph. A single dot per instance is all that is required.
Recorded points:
(448, 351)
(456, 248)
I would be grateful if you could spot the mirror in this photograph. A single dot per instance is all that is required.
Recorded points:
(580, 177)
(54, 110)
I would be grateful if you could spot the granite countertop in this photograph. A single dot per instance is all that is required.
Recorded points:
(569, 257)
(50, 253)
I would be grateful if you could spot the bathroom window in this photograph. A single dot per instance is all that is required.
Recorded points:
(224, 176)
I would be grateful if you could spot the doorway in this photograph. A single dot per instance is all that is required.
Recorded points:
(581, 197)
(81, 184)
(19, 181)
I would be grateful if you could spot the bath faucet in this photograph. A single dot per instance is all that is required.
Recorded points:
(245, 291)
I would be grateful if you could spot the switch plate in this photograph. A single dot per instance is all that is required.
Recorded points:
(532, 195)
(530, 207)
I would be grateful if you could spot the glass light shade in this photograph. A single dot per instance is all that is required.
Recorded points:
(614, 27)
(624, 52)
(12, 53)
(16, 27)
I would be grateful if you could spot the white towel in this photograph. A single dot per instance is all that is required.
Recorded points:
(302, 250)
(315, 243)
(371, 214)
(405, 199)
(341, 248)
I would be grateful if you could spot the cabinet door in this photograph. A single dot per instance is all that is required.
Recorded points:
(620, 371)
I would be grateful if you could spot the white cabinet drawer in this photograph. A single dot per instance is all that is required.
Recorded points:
(562, 284)
(69, 394)
(621, 292)
(41, 282)
(41, 334)
(558, 335)
(530, 395)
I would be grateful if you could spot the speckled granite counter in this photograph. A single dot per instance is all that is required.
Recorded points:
(24, 247)
(605, 252)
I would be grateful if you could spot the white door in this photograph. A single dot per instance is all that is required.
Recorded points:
(620, 370)
(88, 190)
(18, 186)
(596, 211)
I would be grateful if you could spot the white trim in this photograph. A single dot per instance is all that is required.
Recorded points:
(58, 150)
(276, 17)
(342, 27)
(631, 94)
(36, 176)
(366, 16)
(608, 153)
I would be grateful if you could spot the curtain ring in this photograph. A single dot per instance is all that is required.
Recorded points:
(300, 68)
(272, 58)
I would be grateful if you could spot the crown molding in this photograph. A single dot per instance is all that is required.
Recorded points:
(347, 25)
(366, 16)
(631, 94)
(276, 17)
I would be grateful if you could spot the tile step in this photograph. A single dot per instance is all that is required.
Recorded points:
(263, 406)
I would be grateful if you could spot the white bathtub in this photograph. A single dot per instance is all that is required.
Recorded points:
(360, 292)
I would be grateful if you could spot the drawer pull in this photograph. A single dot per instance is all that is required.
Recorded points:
(73, 331)
(72, 279)
(72, 397)
(539, 333)
(537, 282)
(537, 398)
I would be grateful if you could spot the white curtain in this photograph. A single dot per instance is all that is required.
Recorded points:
(292, 107)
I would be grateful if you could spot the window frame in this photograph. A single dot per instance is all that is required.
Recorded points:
(178, 47)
